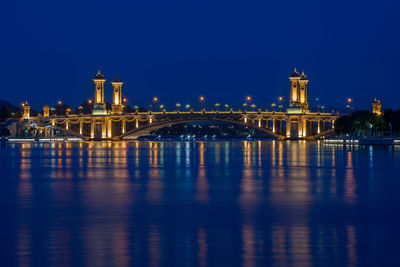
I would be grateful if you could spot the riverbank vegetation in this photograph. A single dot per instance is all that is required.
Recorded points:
(366, 123)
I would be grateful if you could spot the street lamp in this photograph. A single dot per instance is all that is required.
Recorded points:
(178, 106)
(273, 105)
(188, 107)
(253, 106)
(244, 105)
(349, 100)
(217, 106)
(155, 101)
(202, 99)
(280, 108)
(226, 106)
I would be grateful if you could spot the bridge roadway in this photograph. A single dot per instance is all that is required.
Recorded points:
(278, 125)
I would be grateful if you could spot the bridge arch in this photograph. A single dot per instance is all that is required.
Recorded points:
(73, 133)
(156, 125)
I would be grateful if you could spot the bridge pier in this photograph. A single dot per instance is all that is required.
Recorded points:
(288, 127)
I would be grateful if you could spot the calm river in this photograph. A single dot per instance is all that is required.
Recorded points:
(240, 203)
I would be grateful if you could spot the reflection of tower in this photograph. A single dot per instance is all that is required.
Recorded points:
(117, 96)
(99, 107)
(377, 107)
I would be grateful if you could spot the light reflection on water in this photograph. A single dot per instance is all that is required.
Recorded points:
(224, 203)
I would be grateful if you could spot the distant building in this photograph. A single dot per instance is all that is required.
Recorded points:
(377, 107)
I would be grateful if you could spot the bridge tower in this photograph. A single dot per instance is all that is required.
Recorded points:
(99, 107)
(303, 81)
(377, 107)
(46, 111)
(27, 110)
(294, 88)
(117, 107)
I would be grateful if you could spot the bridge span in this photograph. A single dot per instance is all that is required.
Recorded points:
(278, 125)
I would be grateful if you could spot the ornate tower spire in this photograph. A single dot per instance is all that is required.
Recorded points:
(99, 107)
(294, 85)
(117, 95)
(303, 81)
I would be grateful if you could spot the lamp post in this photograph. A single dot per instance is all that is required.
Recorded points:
(217, 106)
(280, 99)
(187, 107)
(273, 105)
(253, 107)
(349, 101)
(226, 106)
(202, 99)
(155, 101)
(178, 106)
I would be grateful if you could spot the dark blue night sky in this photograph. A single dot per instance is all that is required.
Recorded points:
(178, 50)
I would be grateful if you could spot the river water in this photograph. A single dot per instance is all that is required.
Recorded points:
(240, 203)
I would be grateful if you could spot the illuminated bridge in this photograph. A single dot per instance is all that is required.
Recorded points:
(297, 122)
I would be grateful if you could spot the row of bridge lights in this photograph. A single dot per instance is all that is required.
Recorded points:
(217, 105)
(248, 99)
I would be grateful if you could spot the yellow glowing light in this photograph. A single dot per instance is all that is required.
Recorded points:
(59, 102)
(248, 98)
(201, 98)
(155, 99)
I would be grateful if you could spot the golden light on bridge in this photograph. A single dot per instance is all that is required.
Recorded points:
(117, 123)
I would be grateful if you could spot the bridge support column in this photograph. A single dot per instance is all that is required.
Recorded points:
(273, 125)
(92, 128)
(80, 126)
(300, 127)
(104, 128)
(288, 127)
(123, 125)
(109, 128)
(305, 126)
